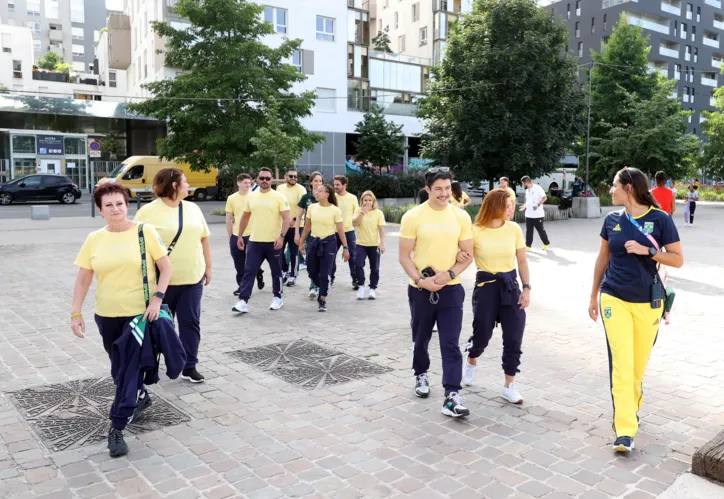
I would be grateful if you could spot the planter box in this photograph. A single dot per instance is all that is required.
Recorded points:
(586, 208)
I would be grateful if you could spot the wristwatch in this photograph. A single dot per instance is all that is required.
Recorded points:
(159, 294)
(452, 274)
(345, 247)
(526, 286)
(653, 252)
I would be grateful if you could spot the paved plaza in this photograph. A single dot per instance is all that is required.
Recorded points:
(265, 426)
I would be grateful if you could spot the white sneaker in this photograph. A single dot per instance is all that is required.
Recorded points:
(242, 307)
(373, 294)
(276, 304)
(313, 293)
(361, 293)
(302, 266)
(511, 395)
(291, 281)
(468, 372)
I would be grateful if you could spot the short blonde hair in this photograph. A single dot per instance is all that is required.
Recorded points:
(370, 194)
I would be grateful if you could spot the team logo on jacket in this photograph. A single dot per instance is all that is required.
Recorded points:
(617, 228)
(607, 313)
(649, 227)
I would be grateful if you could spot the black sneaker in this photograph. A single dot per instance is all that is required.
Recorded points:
(116, 444)
(192, 375)
(422, 386)
(285, 276)
(331, 281)
(453, 406)
(260, 280)
(236, 292)
(355, 286)
(623, 444)
(322, 306)
(142, 404)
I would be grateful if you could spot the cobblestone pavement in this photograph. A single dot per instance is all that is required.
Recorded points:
(252, 434)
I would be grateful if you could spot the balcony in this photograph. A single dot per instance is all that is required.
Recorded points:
(711, 42)
(654, 24)
(671, 8)
(717, 61)
(454, 6)
(669, 51)
(48, 76)
(709, 79)
(55, 35)
(119, 41)
(713, 3)
(58, 49)
(663, 70)
(719, 23)
(358, 4)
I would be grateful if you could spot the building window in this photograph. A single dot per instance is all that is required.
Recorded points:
(689, 11)
(423, 36)
(277, 18)
(34, 27)
(578, 8)
(693, 33)
(36, 46)
(11, 7)
(78, 33)
(696, 54)
(145, 64)
(112, 82)
(578, 29)
(78, 50)
(415, 12)
(568, 11)
(34, 8)
(401, 44)
(325, 29)
(604, 22)
(687, 53)
(566, 49)
(698, 14)
(79, 66)
(593, 25)
(297, 60)
(379, 25)
(397, 20)
(580, 49)
(326, 101)
(18, 69)
(52, 9)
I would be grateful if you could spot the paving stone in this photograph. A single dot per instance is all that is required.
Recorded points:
(535, 488)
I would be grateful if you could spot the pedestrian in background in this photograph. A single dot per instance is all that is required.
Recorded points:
(632, 294)
(459, 198)
(293, 192)
(370, 223)
(113, 255)
(183, 228)
(534, 212)
(691, 198)
(497, 297)
(348, 204)
(663, 195)
(315, 180)
(234, 210)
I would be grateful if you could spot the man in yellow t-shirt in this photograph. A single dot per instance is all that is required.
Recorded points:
(505, 184)
(268, 212)
(234, 211)
(293, 192)
(348, 204)
(434, 232)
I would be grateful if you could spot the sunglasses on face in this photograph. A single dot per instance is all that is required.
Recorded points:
(264, 179)
(292, 176)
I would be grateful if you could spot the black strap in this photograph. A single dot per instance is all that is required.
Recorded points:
(144, 266)
(180, 228)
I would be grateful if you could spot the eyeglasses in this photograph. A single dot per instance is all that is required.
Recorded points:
(264, 179)
(438, 169)
(292, 176)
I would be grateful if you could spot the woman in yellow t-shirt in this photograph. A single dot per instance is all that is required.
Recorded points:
(324, 220)
(370, 223)
(459, 199)
(190, 257)
(113, 255)
(498, 244)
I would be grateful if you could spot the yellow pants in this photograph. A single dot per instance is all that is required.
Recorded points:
(631, 330)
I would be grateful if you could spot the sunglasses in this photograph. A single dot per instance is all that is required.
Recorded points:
(438, 169)
(262, 179)
(292, 176)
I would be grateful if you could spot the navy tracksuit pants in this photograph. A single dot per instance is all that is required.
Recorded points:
(256, 253)
(111, 328)
(372, 253)
(184, 302)
(448, 313)
(321, 254)
(290, 267)
(497, 302)
(352, 245)
(239, 257)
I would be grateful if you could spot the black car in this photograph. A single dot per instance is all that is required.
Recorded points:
(39, 188)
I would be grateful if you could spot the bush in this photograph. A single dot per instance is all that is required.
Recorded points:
(553, 200)
(402, 185)
(393, 214)
(605, 199)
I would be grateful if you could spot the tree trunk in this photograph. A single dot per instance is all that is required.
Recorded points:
(708, 461)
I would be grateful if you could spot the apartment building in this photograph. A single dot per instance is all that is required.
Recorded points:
(685, 38)
(70, 28)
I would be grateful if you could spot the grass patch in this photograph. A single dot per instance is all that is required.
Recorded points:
(393, 214)
(220, 213)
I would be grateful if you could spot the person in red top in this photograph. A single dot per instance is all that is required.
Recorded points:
(663, 195)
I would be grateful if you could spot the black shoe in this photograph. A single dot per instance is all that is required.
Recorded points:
(453, 406)
(331, 281)
(322, 306)
(260, 281)
(355, 286)
(142, 404)
(236, 292)
(192, 375)
(116, 444)
(285, 276)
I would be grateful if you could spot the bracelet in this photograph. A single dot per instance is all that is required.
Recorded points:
(417, 280)
(73, 316)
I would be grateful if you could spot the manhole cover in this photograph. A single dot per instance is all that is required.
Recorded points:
(308, 365)
(73, 414)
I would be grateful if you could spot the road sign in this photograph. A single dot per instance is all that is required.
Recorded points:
(94, 149)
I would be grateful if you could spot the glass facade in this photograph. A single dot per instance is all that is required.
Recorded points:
(392, 75)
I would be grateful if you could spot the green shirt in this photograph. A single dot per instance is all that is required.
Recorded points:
(307, 200)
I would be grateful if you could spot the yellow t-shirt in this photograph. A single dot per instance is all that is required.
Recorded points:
(495, 248)
(368, 231)
(115, 258)
(266, 215)
(294, 195)
(512, 195)
(324, 219)
(461, 203)
(436, 234)
(235, 204)
(187, 258)
(347, 204)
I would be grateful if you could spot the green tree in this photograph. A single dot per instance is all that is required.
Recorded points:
(505, 100)
(111, 143)
(381, 41)
(712, 159)
(381, 142)
(230, 78)
(49, 61)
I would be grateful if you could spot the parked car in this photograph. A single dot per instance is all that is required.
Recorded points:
(41, 187)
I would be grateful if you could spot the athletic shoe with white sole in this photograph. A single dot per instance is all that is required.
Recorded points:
(313, 293)
(361, 293)
(241, 306)
(422, 386)
(285, 276)
(468, 371)
(453, 406)
(142, 404)
(321, 305)
(511, 395)
(302, 266)
(276, 304)
(192, 375)
(623, 444)
(291, 281)
(373, 294)
(355, 286)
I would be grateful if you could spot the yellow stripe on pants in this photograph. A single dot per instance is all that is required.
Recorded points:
(631, 330)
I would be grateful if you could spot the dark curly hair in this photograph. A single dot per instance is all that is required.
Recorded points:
(108, 189)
